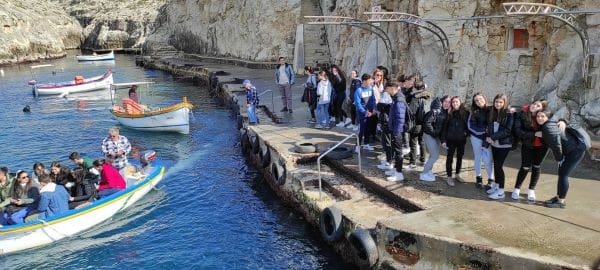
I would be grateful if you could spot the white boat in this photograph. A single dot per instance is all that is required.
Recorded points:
(38, 233)
(97, 57)
(175, 118)
(83, 85)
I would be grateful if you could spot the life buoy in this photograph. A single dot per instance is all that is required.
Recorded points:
(278, 173)
(331, 224)
(305, 147)
(255, 144)
(364, 248)
(265, 157)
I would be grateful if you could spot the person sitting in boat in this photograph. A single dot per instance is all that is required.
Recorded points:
(53, 198)
(24, 197)
(115, 148)
(133, 93)
(84, 163)
(110, 179)
(5, 185)
(61, 175)
(84, 190)
(38, 170)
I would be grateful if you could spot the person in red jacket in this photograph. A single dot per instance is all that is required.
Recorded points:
(111, 180)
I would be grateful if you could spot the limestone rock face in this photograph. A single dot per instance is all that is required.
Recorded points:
(253, 30)
(113, 24)
(35, 29)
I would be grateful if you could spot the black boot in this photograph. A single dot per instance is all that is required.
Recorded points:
(489, 184)
(479, 182)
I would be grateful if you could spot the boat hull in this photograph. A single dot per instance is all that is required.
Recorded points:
(100, 57)
(38, 233)
(173, 121)
(92, 84)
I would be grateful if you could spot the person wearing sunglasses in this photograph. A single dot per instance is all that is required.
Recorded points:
(24, 197)
(115, 148)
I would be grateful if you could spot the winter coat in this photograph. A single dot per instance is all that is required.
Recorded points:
(364, 100)
(110, 178)
(288, 71)
(54, 199)
(383, 107)
(455, 128)
(561, 143)
(5, 193)
(478, 123)
(525, 128)
(324, 90)
(397, 115)
(29, 198)
(355, 84)
(84, 189)
(501, 131)
(434, 120)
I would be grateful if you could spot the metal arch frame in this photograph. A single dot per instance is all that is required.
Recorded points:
(557, 13)
(411, 19)
(340, 20)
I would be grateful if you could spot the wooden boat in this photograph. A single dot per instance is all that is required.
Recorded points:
(78, 85)
(175, 118)
(41, 232)
(97, 57)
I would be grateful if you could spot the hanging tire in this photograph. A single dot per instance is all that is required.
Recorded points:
(364, 248)
(341, 152)
(331, 224)
(305, 147)
(245, 140)
(278, 173)
(265, 157)
(255, 144)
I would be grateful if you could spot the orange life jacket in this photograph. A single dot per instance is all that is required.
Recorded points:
(78, 79)
(131, 107)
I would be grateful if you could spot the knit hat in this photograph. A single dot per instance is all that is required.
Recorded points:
(436, 104)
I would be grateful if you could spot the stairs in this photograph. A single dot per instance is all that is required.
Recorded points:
(316, 48)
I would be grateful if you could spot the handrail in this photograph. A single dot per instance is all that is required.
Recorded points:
(331, 149)
(272, 99)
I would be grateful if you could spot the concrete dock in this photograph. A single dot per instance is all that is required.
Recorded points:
(412, 225)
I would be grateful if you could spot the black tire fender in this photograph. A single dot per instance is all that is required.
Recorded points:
(341, 152)
(305, 147)
(255, 144)
(265, 157)
(330, 224)
(364, 248)
(278, 173)
(245, 139)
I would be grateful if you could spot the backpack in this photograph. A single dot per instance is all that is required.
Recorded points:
(409, 120)
(581, 135)
(417, 109)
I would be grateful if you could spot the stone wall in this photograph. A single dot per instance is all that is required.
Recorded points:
(229, 28)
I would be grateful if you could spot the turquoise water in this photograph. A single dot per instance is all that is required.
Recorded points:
(212, 211)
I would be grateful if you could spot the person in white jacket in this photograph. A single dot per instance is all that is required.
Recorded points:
(324, 95)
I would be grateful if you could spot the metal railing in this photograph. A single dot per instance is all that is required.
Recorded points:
(272, 99)
(331, 149)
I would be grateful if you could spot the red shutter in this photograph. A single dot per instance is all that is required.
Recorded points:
(520, 38)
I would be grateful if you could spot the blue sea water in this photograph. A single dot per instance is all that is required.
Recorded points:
(212, 211)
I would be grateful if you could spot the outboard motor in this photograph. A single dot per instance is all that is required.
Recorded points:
(146, 157)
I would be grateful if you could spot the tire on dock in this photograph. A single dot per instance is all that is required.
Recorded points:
(330, 224)
(364, 248)
(265, 157)
(305, 147)
(255, 144)
(245, 139)
(278, 173)
(341, 152)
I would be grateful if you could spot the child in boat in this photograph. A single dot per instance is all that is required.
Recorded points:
(24, 197)
(54, 199)
(110, 179)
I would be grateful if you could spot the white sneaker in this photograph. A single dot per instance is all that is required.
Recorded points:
(318, 126)
(515, 194)
(385, 167)
(355, 128)
(427, 176)
(498, 195)
(390, 172)
(357, 149)
(340, 124)
(350, 126)
(398, 176)
(459, 178)
(348, 121)
(493, 190)
(368, 147)
(531, 195)
(405, 151)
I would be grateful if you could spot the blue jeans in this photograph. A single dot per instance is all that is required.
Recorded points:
(323, 114)
(16, 217)
(482, 154)
(252, 114)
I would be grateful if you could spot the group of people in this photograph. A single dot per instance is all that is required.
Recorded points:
(50, 192)
(396, 110)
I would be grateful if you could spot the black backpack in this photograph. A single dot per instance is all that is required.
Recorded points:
(417, 110)
(409, 120)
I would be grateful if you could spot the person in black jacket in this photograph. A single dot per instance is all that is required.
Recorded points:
(356, 82)
(338, 80)
(568, 150)
(499, 136)
(60, 175)
(383, 109)
(433, 124)
(397, 126)
(83, 190)
(454, 138)
(533, 149)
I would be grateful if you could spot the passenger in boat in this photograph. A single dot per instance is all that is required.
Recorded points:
(53, 198)
(133, 93)
(115, 148)
(24, 197)
(61, 175)
(5, 185)
(84, 163)
(84, 190)
(38, 170)
(110, 179)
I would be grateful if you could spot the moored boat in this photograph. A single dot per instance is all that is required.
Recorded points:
(97, 57)
(41, 232)
(174, 118)
(78, 85)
